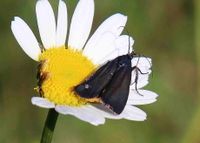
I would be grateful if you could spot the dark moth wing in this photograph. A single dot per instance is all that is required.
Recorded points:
(92, 86)
(110, 83)
(115, 94)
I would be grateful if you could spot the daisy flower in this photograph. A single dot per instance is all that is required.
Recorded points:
(63, 66)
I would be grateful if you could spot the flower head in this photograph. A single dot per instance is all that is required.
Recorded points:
(63, 66)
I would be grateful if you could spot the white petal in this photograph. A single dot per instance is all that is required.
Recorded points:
(104, 111)
(85, 113)
(143, 63)
(141, 102)
(25, 38)
(46, 23)
(81, 24)
(114, 25)
(61, 31)
(124, 43)
(129, 113)
(146, 94)
(141, 97)
(42, 102)
(104, 49)
(109, 47)
(133, 113)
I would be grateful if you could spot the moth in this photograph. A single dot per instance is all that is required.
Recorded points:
(111, 82)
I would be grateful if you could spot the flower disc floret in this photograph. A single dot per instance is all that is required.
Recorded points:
(63, 69)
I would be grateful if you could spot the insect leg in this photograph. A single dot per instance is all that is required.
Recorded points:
(137, 70)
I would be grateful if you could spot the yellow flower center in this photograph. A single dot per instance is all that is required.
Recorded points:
(61, 69)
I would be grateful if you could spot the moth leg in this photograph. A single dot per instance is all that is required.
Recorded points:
(142, 72)
(137, 71)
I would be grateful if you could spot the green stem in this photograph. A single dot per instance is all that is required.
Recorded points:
(49, 126)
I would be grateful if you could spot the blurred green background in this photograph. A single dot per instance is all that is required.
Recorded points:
(163, 30)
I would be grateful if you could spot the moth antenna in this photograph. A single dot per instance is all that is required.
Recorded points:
(129, 45)
(129, 37)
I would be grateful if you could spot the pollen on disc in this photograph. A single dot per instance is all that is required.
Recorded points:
(64, 69)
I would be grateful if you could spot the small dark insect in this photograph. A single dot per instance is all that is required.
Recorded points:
(41, 76)
(111, 82)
